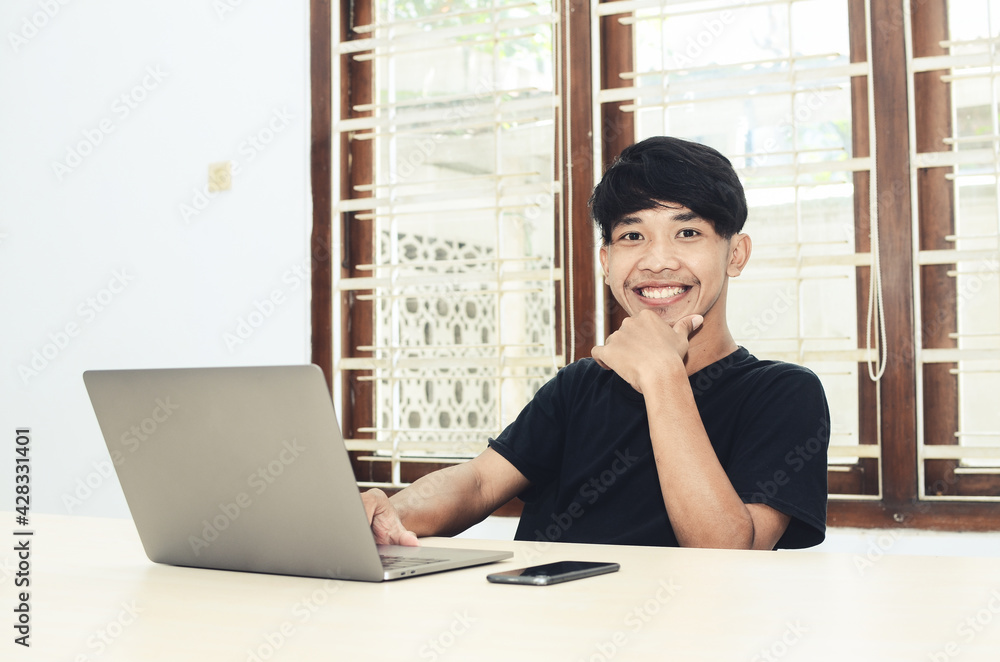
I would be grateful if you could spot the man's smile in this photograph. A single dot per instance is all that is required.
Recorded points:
(661, 292)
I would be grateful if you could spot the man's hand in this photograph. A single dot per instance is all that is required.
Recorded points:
(638, 349)
(384, 520)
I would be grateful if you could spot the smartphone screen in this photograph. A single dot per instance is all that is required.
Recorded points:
(553, 573)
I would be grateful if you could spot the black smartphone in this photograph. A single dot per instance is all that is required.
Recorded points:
(552, 573)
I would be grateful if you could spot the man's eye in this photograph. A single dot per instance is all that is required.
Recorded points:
(687, 233)
(631, 236)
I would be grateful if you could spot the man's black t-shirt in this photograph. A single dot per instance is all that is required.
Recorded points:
(584, 444)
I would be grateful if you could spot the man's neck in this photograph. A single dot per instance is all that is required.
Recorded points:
(703, 352)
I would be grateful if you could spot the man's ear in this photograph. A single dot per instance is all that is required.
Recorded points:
(739, 254)
(604, 261)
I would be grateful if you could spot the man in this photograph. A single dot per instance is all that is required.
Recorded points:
(671, 434)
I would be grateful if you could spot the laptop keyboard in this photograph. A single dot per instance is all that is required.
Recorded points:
(399, 562)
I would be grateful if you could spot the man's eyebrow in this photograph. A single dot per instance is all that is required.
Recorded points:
(683, 217)
(626, 220)
(686, 217)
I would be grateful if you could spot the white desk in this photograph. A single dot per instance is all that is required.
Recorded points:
(95, 596)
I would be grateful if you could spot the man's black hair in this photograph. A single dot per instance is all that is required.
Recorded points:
(663, 170)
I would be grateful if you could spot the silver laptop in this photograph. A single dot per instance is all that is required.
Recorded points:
(246, 469)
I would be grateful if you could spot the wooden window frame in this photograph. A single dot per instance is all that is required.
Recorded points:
(356, 161)
(899, 505)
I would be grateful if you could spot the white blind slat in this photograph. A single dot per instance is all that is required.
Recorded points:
(400, 283)
(406, 42)
(952, 256)
(433, 363)
(953, 355)
(949, 452)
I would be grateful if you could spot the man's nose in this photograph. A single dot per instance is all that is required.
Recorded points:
(659, 256)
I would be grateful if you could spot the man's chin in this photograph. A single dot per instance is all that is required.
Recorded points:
(669, 314)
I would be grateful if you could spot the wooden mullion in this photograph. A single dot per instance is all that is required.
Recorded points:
(617, 127)
(578, 168)
(357, 237)
(865, 478)
(898, 385)
(321, 159)
(936, 195)
(936, 220)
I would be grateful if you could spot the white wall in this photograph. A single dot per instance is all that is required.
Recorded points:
(101, 265)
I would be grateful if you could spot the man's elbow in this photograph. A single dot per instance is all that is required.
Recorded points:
(735, 535)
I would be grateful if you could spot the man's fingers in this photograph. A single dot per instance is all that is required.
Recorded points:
(374, 500)
(688, 325)
(384, 520)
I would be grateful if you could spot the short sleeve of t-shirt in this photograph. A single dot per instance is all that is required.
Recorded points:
(534, 443)
(777, 416)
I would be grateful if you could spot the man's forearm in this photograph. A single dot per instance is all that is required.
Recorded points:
(703, 507)
(443, 503)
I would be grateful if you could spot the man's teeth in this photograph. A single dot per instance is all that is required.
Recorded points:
(661, 292)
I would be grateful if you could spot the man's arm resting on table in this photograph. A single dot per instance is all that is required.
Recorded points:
(704, 509)
(444, 502)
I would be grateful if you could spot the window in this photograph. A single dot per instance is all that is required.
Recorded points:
(455, 271)
(806, 97)
(779, 87)
(955, 162)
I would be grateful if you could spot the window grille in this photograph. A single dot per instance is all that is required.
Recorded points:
(466, 277)
(956, 159)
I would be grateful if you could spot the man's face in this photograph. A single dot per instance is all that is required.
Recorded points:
(671, 261)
